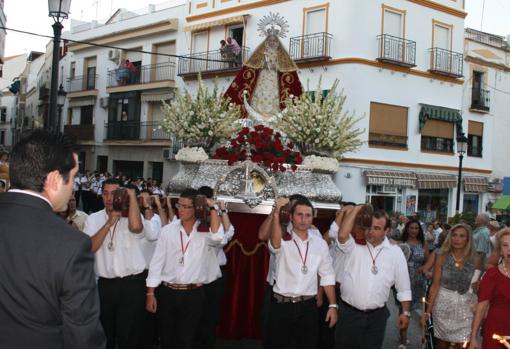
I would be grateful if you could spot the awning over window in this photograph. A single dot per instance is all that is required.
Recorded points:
(439, 113)
(156, 96)
(217, 23)
(393, 178)
(502, 203)
(436, 181)
(81, 102)
(475, 184)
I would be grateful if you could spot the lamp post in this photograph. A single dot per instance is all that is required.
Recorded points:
(61, 99)
(461, 150)
(58, 10)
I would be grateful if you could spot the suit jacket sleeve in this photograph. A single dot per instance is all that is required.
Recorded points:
(79, 301)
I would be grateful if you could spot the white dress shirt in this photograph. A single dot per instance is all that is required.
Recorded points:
(127, 257)
(360, 287)
(272, 260)
(290, 281)
(196, 268)
(338, 255)
(222, 258)
(148, 243)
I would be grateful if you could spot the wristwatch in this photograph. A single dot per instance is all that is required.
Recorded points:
(333, 306)
(215, 207)
(224, 211)
(406, 313)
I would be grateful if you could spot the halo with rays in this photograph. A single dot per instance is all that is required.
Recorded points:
(273, 24)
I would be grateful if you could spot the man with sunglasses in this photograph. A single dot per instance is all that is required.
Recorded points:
(180, 265)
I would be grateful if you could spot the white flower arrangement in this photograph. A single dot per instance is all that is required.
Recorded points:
(191, 154)
(321, 163)
(317, 125)
(203, 120)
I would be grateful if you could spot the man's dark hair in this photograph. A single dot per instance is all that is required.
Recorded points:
(382, 214)
(347, 203)
(208, 192)
(295, 197)
(37, 154)
(189, 193)
(114, 181)
(300, 202)
(134, 187)
(2, 184)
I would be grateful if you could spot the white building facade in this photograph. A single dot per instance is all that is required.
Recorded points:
(400, 63)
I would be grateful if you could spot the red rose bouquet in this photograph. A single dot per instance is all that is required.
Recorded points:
(263, 146)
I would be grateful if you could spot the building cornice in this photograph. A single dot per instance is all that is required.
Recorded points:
(414, 165)
(439, 7)
(374, 63)
(229, 10)
(131, 33)
(485, 63)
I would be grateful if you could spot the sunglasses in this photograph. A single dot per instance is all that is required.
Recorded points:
(184, 207)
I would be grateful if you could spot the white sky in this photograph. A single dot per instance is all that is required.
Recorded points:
(31, 15)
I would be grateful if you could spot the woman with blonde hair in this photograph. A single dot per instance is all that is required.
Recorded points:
(494, 296)
(451, 297)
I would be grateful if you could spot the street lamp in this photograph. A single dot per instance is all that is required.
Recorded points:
(61, 99)
(462, 143)
(59, 10)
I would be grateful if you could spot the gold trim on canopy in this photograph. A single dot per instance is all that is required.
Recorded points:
(217, 23)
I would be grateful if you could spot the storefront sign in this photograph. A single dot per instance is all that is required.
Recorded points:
(396, 182)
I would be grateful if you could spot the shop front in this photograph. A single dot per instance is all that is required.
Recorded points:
(434, 192)
(386, 190)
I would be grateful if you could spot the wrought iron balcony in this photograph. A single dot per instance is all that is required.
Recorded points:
(480, 99)
(145, 75)
(387, 140)
(446, 62)
(311, 47)
(136, 130)
(397, 50)
(81, 132)
(212, 61)
(82, 83)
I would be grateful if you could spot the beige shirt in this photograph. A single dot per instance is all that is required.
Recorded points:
(79, 219)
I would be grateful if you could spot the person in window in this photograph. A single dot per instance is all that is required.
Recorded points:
(122, 73)
(132, 70)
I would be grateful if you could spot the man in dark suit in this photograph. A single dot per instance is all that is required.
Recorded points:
(48, 294)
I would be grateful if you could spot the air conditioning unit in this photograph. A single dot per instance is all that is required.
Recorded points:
(103, 102)
(168, 154)
(387, 189)
(113, 54)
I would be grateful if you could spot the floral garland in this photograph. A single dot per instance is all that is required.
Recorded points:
(203, 120)
(317, 125)
(263, 146)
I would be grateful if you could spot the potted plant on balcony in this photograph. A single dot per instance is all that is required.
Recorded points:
(320, 128)
(201, 121)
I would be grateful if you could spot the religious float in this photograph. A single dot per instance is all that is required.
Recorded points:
(263, 138)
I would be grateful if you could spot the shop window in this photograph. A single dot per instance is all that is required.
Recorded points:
(475, 139)
(388, 125)
(433, 205)
(470, 203)
(437, 135)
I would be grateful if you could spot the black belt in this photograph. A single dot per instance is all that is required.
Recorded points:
(284, 299)
(142, 275)
(368, 311)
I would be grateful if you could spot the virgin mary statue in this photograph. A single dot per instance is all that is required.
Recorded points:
(268, 77)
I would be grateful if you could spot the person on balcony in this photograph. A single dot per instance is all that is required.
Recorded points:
(122, 73)
(234, 47)
(132, 70)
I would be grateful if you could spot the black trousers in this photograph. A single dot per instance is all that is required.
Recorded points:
(265, 315)
(122, 302)
(360, 330)
(326, 338)
(213, 293)
(293, 325)
(178, 315)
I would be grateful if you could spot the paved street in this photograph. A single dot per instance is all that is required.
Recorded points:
(390, 342)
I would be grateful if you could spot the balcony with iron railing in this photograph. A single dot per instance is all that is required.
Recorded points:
(485, 38)
(480, 99)
(82, 83)
(396, 50)
(311, 47)
(146, 74)
(218, 61)
(136, 131)
(80, 132)
(446, 62)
